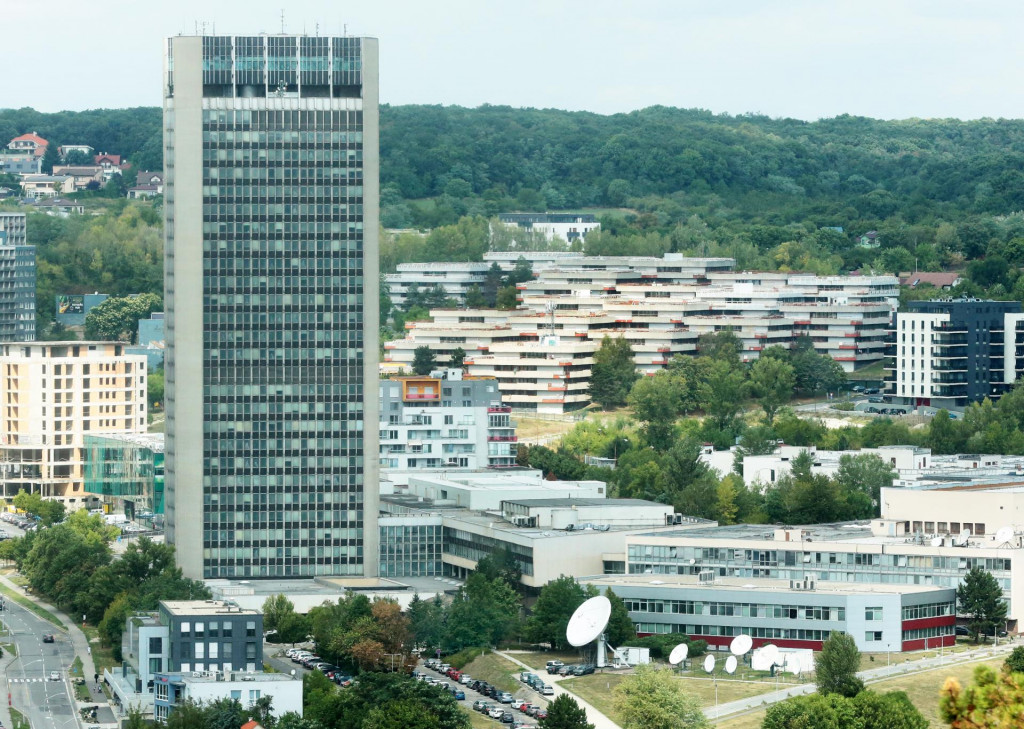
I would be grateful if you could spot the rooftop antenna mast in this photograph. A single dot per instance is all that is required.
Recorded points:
(282, 21)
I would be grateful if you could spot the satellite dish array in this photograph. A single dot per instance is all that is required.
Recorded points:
(739, 647)
(770, 655)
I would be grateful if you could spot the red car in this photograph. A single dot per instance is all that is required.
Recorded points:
(542, 714)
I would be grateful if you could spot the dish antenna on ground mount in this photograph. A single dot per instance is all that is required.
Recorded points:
(740, 645)
(587, 625)
(730, 664)
(709, 664)
(678, 654)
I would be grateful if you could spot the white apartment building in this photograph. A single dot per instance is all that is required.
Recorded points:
(446, 419)
(567, 227)
(51, 395)
(455, 278)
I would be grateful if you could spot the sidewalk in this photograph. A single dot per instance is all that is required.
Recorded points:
(595, 717)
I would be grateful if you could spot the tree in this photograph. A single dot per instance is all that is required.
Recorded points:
(1015, 661)
(726, 390)
(482, 613)
(423, 361)
(555, 605)
(613, 373)
(155, 388)
(276, 608)
(565, 713)
(458, 359)
(723, 346)
(655, 403)
(866, 710)
(620, 628)
(117, 318)
(773, 381)
(836, 666)
(993, 701)
(49, 511)
(865, 473)
(507, 298)
(51, 157)
(426, 622)
(653, 699)
(475, 298)
(980, 598)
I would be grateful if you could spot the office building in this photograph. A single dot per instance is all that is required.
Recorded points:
(17, 280)
(127, 473)
(787, 614)
(446, 419)
(952, 352)
(52, 395)
(566, 227)
(271, 293)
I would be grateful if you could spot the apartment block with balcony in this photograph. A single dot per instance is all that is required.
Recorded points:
(447, 419)
(52, 395)
(949, 353)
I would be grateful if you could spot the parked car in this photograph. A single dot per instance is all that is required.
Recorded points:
(553, 666)
(507, 717)
(48, 638)
(495, 712)
(541, 714)
(962, 630)
(532, 711)
(506, 697)
(478, 704)
(459, 694)
(55, 675)
(547, 690)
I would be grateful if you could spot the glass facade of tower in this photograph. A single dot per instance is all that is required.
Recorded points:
(283, 289)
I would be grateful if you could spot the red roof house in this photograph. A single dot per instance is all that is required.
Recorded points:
(30, 142)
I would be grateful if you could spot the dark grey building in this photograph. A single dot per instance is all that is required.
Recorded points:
(271, 292)
(951, 352)
(17, 280)
(211, 635)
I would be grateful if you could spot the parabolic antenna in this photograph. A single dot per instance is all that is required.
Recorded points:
(740, 644)
(966, 534)
(709, 663)
(589, 621)
(936, 541)
(679, 654)
(792, 664)
(1004, 535)
(764, 658)
(730, 664)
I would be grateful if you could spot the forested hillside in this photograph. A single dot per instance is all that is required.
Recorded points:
(848, 166)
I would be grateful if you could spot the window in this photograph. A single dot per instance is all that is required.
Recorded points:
(250, 629)
(186, 628)
(213, 650)
(873, 636)
(200, 630)
(236, 695)
(250, 650)
(227, 629)
(873, 613)
(449, 419)
(156, 645)
(225, 650)
(214, 628)
(200, 651)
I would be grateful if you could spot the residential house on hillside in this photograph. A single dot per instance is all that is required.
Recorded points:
(83, 175)
(111, 164)
(871, 239)
(36, 186)
(83, 148)
(147, 184)
(60, 207)
(30, 142)
(938, 279)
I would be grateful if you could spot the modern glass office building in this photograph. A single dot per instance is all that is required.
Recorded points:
(271, 291)
(127, 471)
(17, 280)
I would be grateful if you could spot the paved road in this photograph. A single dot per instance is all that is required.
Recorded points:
(46, 703)
(523, 693)
(595, 717)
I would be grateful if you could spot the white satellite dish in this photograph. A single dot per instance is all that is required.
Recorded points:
(966, 534)
(741, 644)
(937, 541)
(1004, 535)
(764, 658)
(589, 621)
(679, 654)
(709, 663)
(730, 664)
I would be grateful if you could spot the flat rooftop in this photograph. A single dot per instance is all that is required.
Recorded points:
(837, 532)
(198, 608)
(567, 503)
(759, 585)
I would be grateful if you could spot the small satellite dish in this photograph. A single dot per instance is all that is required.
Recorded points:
(741, 644)
(1004, 535)
(730, 664)
(965, 534)
(679, 654)
(764, 658)
(589, 621)
(937, 541)
(709, 663)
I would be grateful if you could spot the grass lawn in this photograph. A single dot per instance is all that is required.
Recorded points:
(495, 670)
(26, 603)
(538, 661)
(101, 657)
(923, 688)
(478, 720)
(753, 720)
(597, 690)
(17, 720)
(11, 648)
(877, 660)
(874, 371)
(527, 427)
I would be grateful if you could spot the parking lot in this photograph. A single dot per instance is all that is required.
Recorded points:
(508, 713)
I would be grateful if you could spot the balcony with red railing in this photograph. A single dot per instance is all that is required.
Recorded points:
(422, 396)
(499, 409)
(502, 438)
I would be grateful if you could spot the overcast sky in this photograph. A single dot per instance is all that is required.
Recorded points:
(800, 58)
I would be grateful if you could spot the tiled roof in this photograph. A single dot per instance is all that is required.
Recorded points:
(937, 279)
